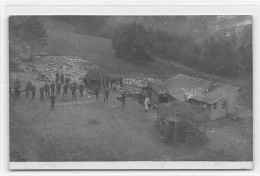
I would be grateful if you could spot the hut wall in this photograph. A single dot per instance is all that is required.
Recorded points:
(154, 97)
(224, 106)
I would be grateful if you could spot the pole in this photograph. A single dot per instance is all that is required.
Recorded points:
(101, 81)
(205, 122)
(174, 136)
(205, 126)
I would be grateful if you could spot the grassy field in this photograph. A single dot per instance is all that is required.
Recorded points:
(90, 130)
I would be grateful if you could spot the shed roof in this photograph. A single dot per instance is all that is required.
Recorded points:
(184, 112)
(207, 91)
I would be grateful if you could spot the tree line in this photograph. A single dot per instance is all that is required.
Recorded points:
(224, 53)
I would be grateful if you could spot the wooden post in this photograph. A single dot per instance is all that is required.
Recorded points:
(174, 136)
(101, 81)
(205, 126)
(105, 85)
(205, 123)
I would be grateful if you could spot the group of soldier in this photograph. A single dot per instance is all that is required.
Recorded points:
(48, 90)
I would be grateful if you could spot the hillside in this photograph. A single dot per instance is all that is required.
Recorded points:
(63, 40)
(198, 27)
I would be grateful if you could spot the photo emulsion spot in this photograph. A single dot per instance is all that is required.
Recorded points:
(130, 89)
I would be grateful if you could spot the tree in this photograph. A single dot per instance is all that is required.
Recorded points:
(33, 33)
(131, 42)
(219, 57)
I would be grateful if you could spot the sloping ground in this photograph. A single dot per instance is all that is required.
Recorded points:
(110, 132)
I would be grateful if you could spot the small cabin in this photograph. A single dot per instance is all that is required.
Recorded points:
(181, 122)
(218, 99)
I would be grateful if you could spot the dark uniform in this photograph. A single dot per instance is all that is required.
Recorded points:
(26, 90)
(52, 101)
(17, 89)
(29, 87)
(81, 87)
(57, 77)
(106, 94)
(62, 78)
(41, 93)
(67, 80)
(47, 89)
(52, 86)
(73, 91)
(33, 91)
(65, 90)
(96, 91)
(123, 99)
(58, 87)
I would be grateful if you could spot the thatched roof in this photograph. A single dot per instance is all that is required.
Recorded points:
(115, 76)
(94, 74)
(184, 112)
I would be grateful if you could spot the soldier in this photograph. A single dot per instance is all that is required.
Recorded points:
(58, 87)
(96, 91)
(123, 98)
(73, 91)
(47, 89)
(65, 90)
(33, 91)
(17, 87)
(41, 93)
(106, 94)
(67, 80)
(29, 87)
(62, 78)
(26, 90)
(52, 101)
(57, 77)
(52, 86)
(17, 93)
(81, 87)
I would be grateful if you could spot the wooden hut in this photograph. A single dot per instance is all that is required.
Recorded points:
(218, 98)
(181, 122)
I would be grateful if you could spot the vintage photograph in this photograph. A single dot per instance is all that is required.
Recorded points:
(130, 88)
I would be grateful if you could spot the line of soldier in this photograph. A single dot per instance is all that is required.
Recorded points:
(49, 90)
(46, 89)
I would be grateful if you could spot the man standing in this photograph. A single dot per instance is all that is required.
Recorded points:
(26, 90)
(52, 86)
(123, 98)
(52, 101)
(96, 91)
(146, 103)
(106, 94)
(58, 87)
(17, 89)
(73, 91)
(33, 91)
(57, 77)
(29, 87)
(62, 78)
(67, 80)
(65, 90)
(81, 87)
(41, 93)
(47, 89)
